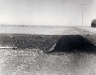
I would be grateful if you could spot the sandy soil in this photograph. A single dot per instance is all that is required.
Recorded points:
(36, 63)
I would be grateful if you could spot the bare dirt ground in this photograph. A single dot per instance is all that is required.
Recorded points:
(33, 61)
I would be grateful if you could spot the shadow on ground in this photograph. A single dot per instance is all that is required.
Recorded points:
(74, 44)
(64, 44)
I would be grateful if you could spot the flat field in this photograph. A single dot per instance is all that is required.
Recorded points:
(28, 41)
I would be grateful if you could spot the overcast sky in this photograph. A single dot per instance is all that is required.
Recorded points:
(46, 12)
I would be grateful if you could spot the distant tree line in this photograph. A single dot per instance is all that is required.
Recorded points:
(29, 26)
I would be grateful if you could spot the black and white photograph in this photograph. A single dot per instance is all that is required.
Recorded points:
(47, 37)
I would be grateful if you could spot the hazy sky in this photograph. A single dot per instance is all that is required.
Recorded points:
(46, 12)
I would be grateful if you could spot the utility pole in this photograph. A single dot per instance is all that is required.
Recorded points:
(82, 13)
